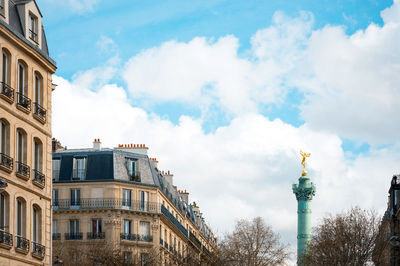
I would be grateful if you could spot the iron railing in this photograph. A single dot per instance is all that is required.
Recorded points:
(38, 178)
(135, 176)
(6, 238)
(205, 251)
(33, 36)
(7, 91)
(106, 203)
(73, 236)
(136, 237)
(39, 111)
(23, 169)
(194, 240)
(38, 250)
(78, 174)
(173, 220)
(97, 235)
(24, 101)
(6, 161)
(22, 243)
(56, 236)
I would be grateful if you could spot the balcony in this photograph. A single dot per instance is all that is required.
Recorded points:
(23, 102)
(73, 236)
(194, 240)
(135, 237)
(205, 251)
(173, 220)
(98, 235)
(6, 239)
(22, 244)
(38, 250)
(38, 178)
(56, 236)
(39, 112)
(107, 203)
(135, 176)
(6, 162)
(23, 170)
(6, 92)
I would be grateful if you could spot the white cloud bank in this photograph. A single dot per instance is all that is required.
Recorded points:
(246, 168)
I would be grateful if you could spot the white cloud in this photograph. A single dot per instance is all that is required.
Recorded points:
(249, 164)
(77, 6)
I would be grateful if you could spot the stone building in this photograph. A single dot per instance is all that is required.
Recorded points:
(25, 135)
(120, 198)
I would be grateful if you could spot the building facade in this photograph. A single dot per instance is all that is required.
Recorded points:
(25, 135)
(119, 198)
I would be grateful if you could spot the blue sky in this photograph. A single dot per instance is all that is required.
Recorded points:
(226, 93)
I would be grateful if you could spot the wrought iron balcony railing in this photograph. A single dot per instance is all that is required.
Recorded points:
(38, 178)
(135, 176)
(56, 236)
(73, 236)
(106, 203)
(6, 238)
(135, 237)
(23, 101)
(39, 111)
(173, 220)
(97, 235)
(38, 250)
(6, 161)
(194, 240)
(7, 91)
(205, 251)
(23, 170)
(33, 36)
(78, 174)
(22, 243)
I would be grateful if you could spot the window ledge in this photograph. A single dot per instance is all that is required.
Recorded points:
(6, 98)
(41, 119)
(23, 109)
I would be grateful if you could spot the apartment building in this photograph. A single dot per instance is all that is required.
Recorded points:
(120, 198)
(25, 135)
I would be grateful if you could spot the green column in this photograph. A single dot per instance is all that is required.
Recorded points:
(304, 192)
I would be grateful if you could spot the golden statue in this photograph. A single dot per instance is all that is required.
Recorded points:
(303, 162)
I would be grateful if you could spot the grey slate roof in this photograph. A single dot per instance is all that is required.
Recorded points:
(15, 26)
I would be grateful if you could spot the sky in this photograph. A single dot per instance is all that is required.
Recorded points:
(226, 93)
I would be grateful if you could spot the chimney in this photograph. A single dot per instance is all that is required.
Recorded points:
(184, 195)
(136, 148)
(169, 177)
(195, 207)
(155, 162)
(97, 144)
(56, 145)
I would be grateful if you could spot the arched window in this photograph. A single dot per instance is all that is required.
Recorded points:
(4, 137)
(38, 88)
(22, 86)
(21, 217)
(4, 212)
(37, 163)
(5, 88)
(22, 168)
(36, 224)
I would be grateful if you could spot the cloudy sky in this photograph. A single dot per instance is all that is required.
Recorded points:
(225, 93)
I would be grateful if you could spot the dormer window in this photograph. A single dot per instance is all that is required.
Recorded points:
(33, 28)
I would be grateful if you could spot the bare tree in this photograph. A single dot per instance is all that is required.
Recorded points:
(345, 239)
(253, 243)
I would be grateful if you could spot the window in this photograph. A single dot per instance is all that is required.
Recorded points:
(33, 28)
(73, 227)
(144, 228)
(21, 146)
(55, 227)
(5, 74)
(126, 197)
(97, 226)
(21, 216)
(37, 155)
(131, 166)
(22, 78)
(4, 212)
(38, 89)
(56, 164)
(79, 169)
(55, 197)
(36, 225)
(128, 257)
(144, 259)
(127, 226)
(75, 197)
(4, 137)
(2, 8)
(144, 200)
